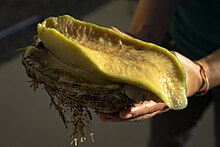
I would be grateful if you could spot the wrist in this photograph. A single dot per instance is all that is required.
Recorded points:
(212, 65)
(204, 86)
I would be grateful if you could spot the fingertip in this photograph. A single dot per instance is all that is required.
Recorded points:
(125, 114)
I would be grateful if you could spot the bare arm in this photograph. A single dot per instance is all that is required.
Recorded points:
(152, 18)
(150, 23)
(148, 109)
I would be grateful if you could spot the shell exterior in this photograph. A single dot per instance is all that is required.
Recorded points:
(83, 66)
(73, 95)
(105, 97)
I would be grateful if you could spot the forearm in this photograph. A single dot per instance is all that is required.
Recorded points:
(152, 18)
(212, 67)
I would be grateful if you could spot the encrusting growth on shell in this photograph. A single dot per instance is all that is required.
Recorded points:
(71, 100)
(78, 117)
(86, 67)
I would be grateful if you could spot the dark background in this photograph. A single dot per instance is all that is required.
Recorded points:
(19, 19)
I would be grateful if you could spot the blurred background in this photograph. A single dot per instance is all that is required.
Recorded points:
(25, 117)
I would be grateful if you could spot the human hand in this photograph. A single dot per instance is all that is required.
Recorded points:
(148, 109)
(194, 81)
(136, 112)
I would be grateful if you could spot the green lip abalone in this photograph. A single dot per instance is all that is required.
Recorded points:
(82, 66)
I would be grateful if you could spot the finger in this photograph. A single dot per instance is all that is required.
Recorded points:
(115, 117)
(141, 109)
(108, 117)
(147, 116)
(116, 29)
(119, 31)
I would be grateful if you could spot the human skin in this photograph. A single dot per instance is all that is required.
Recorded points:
(150, 24)
(148, 109)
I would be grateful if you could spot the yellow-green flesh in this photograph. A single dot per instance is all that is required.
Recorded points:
(113, 57)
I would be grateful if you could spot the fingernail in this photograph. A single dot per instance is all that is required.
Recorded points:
(129, 115)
